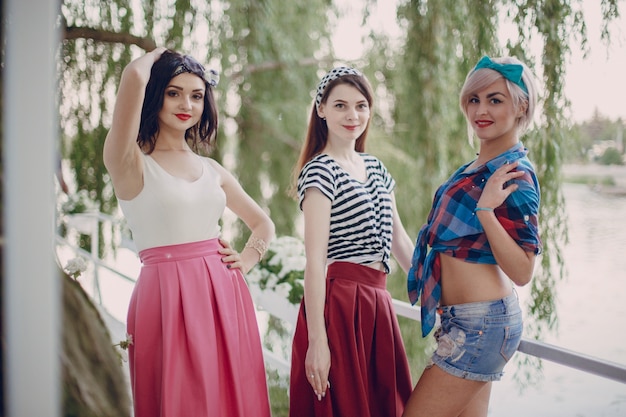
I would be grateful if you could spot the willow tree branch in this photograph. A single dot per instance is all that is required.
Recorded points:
(73, 32)
(273, 65)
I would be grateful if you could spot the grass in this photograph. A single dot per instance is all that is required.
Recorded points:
(606, 180)
(278, 386)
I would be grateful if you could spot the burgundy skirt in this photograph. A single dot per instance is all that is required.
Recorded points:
(196, 347)
(369, 371)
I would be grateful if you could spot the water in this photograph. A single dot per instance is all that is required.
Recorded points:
(590, 305)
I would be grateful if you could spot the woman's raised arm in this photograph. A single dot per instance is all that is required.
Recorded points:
(121, 153)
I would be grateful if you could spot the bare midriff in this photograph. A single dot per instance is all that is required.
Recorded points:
(466, 282)
(377, 265)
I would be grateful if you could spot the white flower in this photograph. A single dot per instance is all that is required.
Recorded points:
(254, 275)
(123, 346)
(295, 263)
(274, 260)
(282, 270)
(79, 202)
(272, 280)
(75, 267)
(283, 289)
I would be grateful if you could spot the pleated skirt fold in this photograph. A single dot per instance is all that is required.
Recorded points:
(196, 348)
(369, 373)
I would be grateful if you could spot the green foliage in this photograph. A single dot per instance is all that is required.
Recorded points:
(611, 156)
(429, 127)
(588, 140)
(264, 51)
(271, 54)
(592, 180)
(601, 128)
(418, 348)
(267, 54)
(282, 269)
(278, 387)
(594, 136)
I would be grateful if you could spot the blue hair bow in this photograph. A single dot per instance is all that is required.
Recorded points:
(512, 72)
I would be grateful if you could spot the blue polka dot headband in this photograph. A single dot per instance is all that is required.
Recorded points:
(330, 76)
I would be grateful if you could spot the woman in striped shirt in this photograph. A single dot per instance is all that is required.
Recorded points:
(348, 357)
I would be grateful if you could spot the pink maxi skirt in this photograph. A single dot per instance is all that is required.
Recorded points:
(369, 371)
(196, 348)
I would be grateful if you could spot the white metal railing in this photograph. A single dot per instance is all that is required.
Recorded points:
(279, 307)
(268, 301)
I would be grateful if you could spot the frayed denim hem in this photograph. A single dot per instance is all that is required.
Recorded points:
(459, 373)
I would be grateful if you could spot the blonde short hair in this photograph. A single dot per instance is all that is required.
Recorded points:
(481, 78)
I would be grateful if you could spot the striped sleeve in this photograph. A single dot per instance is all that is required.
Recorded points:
(316, 174)
(376, 167)
(388, 180)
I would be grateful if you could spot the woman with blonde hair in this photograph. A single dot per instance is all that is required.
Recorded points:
(481, 239)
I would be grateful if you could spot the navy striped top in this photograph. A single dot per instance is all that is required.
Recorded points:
(361, 216)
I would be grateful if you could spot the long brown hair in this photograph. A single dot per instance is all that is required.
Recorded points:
(317, 132)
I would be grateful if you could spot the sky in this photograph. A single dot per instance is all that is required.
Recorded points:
(597, 82)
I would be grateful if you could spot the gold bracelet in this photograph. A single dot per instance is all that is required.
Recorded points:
(258, 245)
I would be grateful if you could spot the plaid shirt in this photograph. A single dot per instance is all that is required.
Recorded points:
(454, 229)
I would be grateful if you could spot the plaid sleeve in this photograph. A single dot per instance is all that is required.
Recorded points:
(520, 213)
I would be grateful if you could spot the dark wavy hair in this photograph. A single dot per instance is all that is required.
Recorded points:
(199, 136)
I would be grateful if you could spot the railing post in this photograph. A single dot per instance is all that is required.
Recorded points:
(95, 245)
(31, 293)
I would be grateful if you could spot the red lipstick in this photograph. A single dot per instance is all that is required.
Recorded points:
(483, 123)
(183, 116)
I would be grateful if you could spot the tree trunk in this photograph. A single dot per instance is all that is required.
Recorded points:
(93, 381)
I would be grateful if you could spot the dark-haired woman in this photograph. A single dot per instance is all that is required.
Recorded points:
(348, 358)
(195, 346)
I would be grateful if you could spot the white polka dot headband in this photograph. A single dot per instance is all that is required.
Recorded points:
(330, 76)
(211, 76)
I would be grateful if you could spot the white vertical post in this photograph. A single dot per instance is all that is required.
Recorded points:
(31, 290)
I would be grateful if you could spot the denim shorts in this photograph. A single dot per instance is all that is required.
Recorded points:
(476, 340)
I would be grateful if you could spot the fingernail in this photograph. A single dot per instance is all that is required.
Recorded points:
(319, 397)
(228, 266)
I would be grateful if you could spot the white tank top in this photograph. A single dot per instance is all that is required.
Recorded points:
(171, 210)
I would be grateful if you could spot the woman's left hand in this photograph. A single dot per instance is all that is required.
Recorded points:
(496, 190)
(231, 257)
